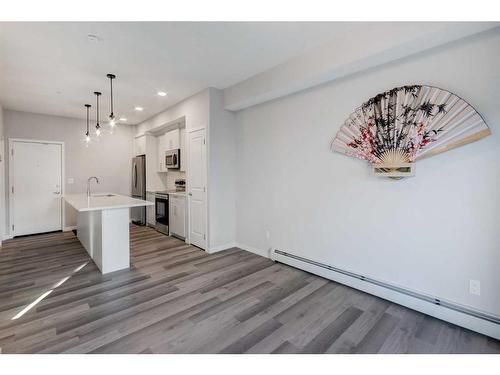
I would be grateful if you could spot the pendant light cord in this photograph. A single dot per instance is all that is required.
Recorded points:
(111, 82)
(88, 108)
(111, 78)
(97, 108)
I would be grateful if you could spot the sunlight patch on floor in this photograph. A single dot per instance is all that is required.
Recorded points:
(44, 295)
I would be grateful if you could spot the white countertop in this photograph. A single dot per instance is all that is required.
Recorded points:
(99, 201)
(178, 193)
(169, 192)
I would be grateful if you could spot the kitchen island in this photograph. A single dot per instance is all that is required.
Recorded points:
(103, 227)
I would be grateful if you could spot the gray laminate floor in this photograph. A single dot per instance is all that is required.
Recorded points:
(178, 299)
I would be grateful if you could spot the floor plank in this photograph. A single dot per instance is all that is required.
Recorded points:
(176, 298)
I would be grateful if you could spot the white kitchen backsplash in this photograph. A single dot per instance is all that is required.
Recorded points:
(172, 176)
(162, 182)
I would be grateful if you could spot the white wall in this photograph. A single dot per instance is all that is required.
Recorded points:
(194, 112)
(195, 109)
(221, 174)
(430, 233)
(1, 122)
(205, 110)
(109, 160)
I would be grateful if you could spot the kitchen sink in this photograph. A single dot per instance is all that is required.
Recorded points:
(103, 195)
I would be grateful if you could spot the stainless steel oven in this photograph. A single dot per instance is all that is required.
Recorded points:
(161, 212)
(173, 158)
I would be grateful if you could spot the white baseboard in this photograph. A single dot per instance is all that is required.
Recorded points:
(65, 229)
(455, 317)
(441, 312)
(262, 253)
(226, 246)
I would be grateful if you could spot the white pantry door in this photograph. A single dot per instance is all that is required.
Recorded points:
(35, 187)
(197, 177)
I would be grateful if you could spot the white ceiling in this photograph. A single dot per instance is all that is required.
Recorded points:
(343, 56)
(53, 68)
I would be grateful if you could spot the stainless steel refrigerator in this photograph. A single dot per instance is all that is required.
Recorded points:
(138, 214)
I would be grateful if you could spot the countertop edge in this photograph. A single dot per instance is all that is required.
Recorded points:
(68, 199)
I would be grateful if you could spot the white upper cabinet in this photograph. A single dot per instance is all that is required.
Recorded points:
(172, 140)
(182, 135)
(161, 153)
(140, 145)
(153, 181)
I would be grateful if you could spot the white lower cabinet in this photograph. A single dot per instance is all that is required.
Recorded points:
(177, 215)
(150, 210)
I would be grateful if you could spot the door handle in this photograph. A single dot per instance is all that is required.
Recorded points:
(190, 194)
(57, 192)
(135, 175)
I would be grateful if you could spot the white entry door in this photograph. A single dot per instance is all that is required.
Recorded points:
(35, 187)
(197, 177)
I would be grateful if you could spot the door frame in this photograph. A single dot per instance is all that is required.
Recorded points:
(3, 212)
(188, 213)
(11, 176)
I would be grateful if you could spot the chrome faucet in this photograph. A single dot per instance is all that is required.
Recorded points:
(88, 184)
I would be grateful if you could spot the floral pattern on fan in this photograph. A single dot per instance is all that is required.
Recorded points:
(415, 121)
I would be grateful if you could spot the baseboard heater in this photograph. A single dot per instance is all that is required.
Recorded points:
(408, 292)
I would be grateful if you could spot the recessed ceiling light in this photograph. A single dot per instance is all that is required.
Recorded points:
(162, 93)
(122, 119)
(139, 108)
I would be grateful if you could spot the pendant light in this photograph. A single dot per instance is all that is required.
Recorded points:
(97, 126)
(112, 120)
(87, 134)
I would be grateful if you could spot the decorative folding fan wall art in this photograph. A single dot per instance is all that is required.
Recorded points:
(396, 128)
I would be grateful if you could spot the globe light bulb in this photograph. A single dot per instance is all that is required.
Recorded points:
(112, 120)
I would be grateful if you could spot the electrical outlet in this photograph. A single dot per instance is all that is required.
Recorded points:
(475, 287)
(268, 235)
(71, 180)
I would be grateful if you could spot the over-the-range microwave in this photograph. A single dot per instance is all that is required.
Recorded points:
(173, 158)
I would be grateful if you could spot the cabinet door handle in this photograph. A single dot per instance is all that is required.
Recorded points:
(190, 194)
